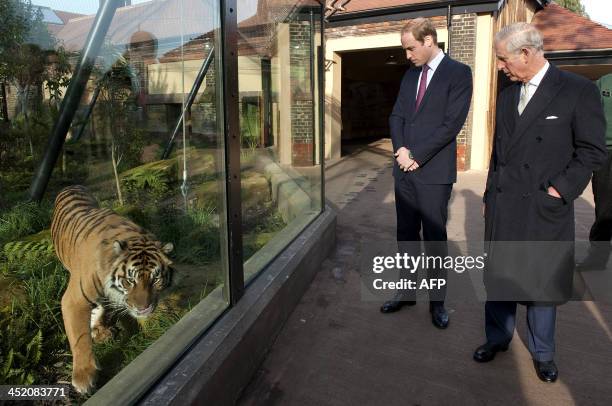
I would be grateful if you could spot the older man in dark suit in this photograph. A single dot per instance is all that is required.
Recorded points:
(431, 107)
(549, 138)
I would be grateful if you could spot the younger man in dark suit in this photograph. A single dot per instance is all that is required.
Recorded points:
(431, 107)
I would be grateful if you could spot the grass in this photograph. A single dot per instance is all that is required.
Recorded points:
(33, 346)
(24, 219)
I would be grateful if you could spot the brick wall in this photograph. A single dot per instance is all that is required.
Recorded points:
(302, 131)
(463, 49)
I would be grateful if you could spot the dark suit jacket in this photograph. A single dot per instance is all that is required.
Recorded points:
(430, 133)
(558, 141)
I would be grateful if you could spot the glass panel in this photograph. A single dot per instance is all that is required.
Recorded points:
(281, 173)
(155, 190)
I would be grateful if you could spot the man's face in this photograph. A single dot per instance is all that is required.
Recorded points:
(417, 52)
(514, 65)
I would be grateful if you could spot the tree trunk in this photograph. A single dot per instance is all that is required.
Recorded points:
(116, 172)
(4, 102)
(24, 91)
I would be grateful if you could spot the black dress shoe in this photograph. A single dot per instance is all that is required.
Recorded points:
(547, 370)
(439, 317)
(395, 304)
(487, 351)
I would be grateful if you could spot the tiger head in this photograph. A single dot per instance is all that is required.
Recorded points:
(141, 271)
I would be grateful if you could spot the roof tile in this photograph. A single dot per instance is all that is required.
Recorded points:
(564, 30)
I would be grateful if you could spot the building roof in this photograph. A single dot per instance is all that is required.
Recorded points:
(165, 19)
(162, 19)
(55, 19)
(269, 11)
(363, 5)
(564, 30)
(66, 16)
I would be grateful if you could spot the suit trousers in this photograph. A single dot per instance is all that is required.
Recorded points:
(422, 208)
(602, 191)
(500, 319)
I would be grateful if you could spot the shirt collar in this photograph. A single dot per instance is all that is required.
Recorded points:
(435, 62)
(535, 81)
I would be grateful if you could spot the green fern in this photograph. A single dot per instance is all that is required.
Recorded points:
(17, 366)
(34, 348)
(18, 250)
(154, 179)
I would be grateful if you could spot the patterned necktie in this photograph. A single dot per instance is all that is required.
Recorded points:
(524, 98)
(422, 87)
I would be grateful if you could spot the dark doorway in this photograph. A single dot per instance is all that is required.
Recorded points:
(370, 82)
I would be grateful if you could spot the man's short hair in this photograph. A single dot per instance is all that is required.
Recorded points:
(420, 28)
(520, 35)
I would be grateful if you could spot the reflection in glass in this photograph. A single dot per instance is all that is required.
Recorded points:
(120, 147)
(281, 172)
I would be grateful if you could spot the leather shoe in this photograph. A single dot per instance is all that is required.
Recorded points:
(547, 370)
(439, 317)
(487, 351)
(395, 304)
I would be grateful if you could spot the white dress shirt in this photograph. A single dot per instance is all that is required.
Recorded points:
(535, 81)
(433, 65)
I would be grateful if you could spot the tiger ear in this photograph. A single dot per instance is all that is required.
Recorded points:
(119, 246)
(167, 248)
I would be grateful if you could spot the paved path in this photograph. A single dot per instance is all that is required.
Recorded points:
(339, 350)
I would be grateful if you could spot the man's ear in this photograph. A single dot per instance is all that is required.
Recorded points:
(428, 40)
(526, 54)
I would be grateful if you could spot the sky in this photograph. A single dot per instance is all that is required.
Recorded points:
(598, 10)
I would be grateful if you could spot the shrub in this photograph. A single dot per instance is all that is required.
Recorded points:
(24, 219)
(149, 181)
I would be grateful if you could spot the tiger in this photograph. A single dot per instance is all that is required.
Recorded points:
(114, 265)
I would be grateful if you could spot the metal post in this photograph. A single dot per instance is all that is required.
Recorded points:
(312, 83)
(69, 105)
(229, 29)
(321, 67)
(190, 99)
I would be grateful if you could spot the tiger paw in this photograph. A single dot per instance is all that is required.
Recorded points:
(83, 378)
(101, 334)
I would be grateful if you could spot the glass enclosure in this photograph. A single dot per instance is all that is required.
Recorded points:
(280, 168)
(97, 274)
